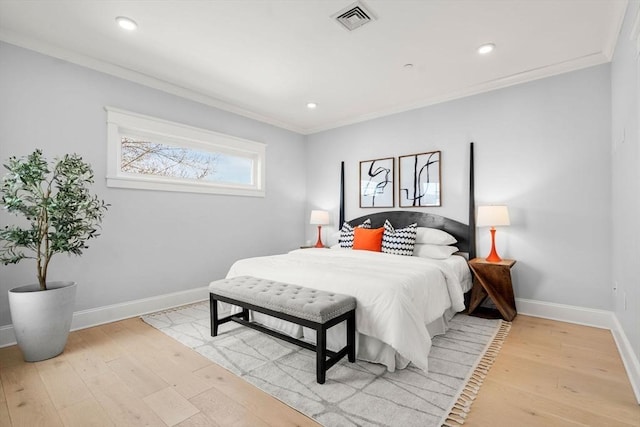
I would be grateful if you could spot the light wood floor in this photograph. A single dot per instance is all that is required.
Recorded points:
(129, 374)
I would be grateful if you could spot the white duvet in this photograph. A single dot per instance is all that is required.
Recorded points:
(396, 295)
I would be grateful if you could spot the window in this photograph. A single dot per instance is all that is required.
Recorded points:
(154, 154)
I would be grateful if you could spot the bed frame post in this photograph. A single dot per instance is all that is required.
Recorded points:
(341, 195)
(472, 206)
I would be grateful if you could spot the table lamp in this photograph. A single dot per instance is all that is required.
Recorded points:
(319, 218)
(492, 216)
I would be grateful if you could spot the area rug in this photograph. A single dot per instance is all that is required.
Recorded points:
(355, 394)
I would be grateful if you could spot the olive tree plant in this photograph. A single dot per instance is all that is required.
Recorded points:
(56, 202)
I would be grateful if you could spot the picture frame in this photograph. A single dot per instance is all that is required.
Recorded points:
(376, 183)
(419, 178)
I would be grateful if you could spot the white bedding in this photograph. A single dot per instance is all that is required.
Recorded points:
(397, 296)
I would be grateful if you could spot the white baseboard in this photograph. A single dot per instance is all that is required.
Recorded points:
(7, 337)
(589, 317)
(111, 313)
(565, 313)
(629, 358)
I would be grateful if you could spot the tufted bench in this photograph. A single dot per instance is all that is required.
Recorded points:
(312, 308)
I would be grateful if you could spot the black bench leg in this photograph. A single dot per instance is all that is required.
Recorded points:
(351, 337)
(213, 307)
(321, 354)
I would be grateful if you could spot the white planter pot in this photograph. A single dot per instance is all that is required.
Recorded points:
(42, 319)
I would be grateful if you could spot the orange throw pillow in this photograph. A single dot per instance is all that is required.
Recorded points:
(368, 240)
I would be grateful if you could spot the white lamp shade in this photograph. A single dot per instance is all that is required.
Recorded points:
(319, 218)
(492, 216)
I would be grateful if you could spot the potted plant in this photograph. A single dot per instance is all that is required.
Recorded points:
(61, 215)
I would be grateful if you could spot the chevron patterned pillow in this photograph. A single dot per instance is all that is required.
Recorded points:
(346, 234)
(399, 241)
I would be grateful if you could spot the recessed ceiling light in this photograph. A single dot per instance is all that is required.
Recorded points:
(311, 105)
(408, 66)
(486, 48)
(126, 23)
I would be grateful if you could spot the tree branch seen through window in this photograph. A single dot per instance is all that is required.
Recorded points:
(150, 158)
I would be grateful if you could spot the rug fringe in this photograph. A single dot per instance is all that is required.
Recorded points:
(172, 309)
(462, 406)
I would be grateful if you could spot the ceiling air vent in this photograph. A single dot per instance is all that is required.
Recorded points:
(354, 16)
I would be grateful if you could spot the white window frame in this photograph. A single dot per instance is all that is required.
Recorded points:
(125, 123)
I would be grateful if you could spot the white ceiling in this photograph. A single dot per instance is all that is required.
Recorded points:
(266, 59)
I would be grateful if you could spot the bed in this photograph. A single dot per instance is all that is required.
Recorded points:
(402, 301)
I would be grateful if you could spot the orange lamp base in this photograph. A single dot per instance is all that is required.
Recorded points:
(493, 255)
(319, 243)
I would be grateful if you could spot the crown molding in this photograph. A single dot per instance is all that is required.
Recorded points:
(137, 77)
(574, 64)
(616, 28)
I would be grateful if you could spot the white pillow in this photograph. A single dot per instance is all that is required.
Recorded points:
(333, 238)
(433, 236)
(434, 251)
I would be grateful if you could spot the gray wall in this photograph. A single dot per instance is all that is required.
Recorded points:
(542, 148)
(625, 76)
(152, 242)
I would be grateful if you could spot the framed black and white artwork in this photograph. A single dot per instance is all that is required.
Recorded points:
(376, 183)
(419, 176)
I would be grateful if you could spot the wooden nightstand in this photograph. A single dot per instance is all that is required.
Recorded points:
(493, 280)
